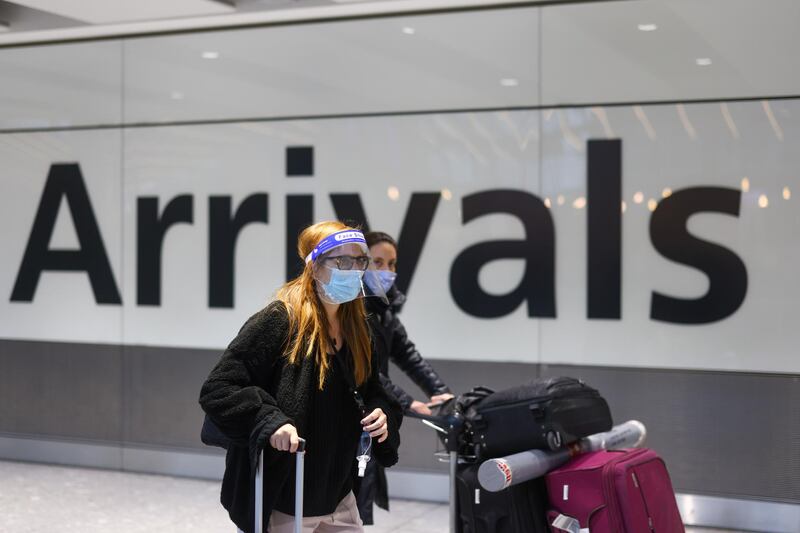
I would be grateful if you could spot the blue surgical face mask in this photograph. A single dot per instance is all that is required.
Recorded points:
(383, 277)
(344, 285)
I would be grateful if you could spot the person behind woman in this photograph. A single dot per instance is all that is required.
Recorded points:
(291, 372)
(392, 343)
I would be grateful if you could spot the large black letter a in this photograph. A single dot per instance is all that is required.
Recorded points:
(66, 180)
(537, 250)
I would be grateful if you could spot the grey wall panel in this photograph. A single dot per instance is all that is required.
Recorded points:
(723, 434)
(61, 390)
(162, 386)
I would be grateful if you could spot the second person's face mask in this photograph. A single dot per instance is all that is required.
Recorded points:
(380, 281)
(344, 285)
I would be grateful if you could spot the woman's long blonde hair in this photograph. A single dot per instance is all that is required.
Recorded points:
(308, 323)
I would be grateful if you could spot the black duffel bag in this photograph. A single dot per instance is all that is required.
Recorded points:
(546, 413)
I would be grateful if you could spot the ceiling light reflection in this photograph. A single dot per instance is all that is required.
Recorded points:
(446, 194)
(547, 203)
(570, 136)
(509, 82)
(776, 127)
(652, 204)
(579, 203)
(703, 61)
(647, 27)
(638, 197)
(745, 184)
(763, 201)
(666, 193)
(560, 199)
(726, 114)
(408, 30)
(602, 116)
(687, 125)
(210, 55)
(393, 193)
(648, 127)
(787, 194)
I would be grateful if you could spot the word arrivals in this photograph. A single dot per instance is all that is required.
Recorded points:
(669, 236)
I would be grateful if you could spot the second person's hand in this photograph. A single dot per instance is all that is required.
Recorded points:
(439, 399)
(420, 408)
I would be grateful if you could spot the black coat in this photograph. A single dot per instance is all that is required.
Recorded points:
(251, 393)
(392, 343)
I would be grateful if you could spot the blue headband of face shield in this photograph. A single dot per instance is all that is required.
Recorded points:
(334, 240)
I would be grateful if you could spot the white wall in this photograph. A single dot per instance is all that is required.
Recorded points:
(576, 53)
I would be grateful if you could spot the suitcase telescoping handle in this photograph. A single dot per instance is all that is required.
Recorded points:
(298, 494)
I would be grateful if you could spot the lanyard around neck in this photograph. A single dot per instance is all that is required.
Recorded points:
(351, 383)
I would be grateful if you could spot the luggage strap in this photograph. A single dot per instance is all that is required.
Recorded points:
(569, 524)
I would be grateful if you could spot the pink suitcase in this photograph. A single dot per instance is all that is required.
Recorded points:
(624, 491)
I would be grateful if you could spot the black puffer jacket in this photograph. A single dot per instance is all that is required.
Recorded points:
(250, 393)
(392, 342)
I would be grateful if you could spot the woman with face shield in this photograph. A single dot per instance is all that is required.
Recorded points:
(392, 343)
(304, 366)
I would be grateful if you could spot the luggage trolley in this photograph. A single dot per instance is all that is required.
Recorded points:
(450, 428)
(544, 413)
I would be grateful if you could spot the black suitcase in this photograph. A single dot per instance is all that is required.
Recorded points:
(546, 413)
(518, 509)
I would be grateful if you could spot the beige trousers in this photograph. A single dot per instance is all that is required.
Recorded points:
(345, 519)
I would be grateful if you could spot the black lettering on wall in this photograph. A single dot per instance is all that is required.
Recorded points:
(299, 215)
(150, 240)
(299, 161)
(299, 207)
(537, 287)
(413, 233)
(604, 225)
(727, 274)
(223, 232)
(350, 210)
(65, 180)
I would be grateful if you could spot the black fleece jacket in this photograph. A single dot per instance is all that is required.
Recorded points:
(252, 392)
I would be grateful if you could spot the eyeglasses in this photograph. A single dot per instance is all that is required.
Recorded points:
(349, 262)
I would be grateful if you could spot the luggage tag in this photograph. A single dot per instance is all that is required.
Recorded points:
(569, 524)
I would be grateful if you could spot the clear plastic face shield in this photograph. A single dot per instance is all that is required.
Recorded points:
(341, 268)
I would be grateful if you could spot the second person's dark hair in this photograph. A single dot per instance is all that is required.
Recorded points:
(374, 237)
